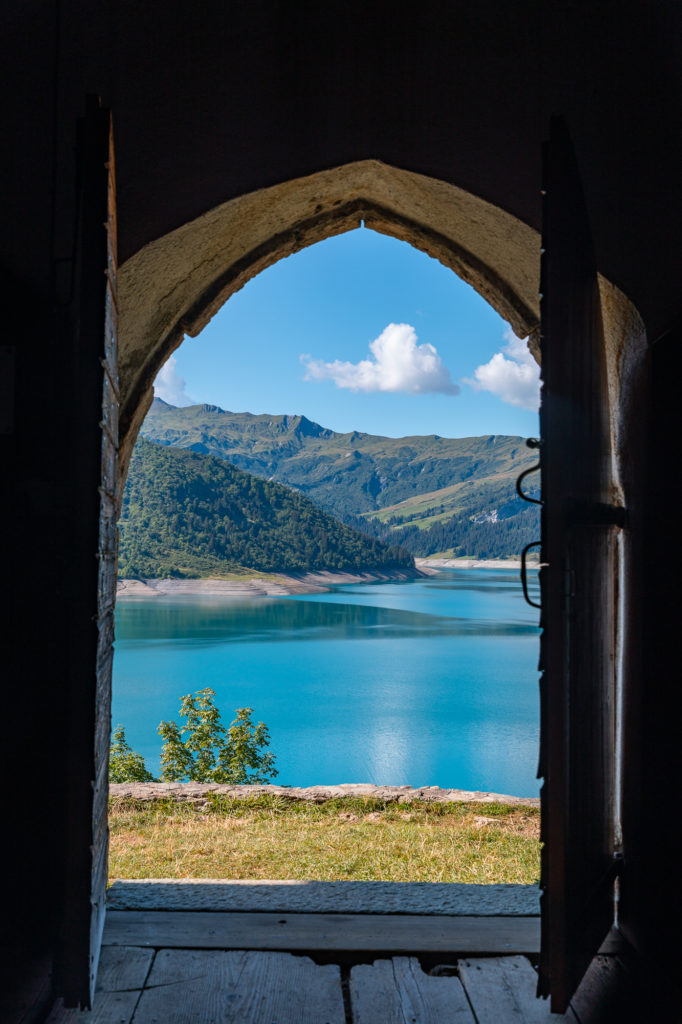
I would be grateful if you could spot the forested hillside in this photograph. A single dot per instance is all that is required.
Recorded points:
(186, 514)
(432, 495)
(472, 519)
(459, 536)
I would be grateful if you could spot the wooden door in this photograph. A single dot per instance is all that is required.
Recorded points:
(578, 590)
(92, 472)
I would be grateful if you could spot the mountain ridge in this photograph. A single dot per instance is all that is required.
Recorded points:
(374, 483)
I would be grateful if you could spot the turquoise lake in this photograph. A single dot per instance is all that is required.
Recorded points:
(424, 682)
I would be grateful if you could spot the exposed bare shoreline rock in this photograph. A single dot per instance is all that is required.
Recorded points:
(426, 564)
(285, 584)
(279, 585)
(197, 792)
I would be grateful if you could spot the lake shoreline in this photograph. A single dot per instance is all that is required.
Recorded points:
(426, 564)
(275, 585)
(291, 584)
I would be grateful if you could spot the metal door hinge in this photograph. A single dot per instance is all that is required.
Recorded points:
(595, 513)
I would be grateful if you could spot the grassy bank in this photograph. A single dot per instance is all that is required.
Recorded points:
(353, 839)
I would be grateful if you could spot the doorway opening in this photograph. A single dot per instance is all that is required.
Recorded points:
(301, 447)
(138, 369)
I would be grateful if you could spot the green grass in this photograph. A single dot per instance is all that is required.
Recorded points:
(350, 838)
(422, 504)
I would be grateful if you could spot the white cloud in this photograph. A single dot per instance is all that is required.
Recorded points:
(170, 386)
(512, 374)
(397, 363)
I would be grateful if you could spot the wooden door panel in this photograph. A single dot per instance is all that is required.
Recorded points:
(578, 588)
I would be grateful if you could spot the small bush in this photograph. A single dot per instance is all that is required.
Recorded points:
(124, 764)
(212, 753)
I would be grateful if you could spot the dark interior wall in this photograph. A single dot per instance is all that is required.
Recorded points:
(310, 87)
(34, 513)
(34, 659)
(460, 91)
(27, 100)
(213, 100)
(216, 99)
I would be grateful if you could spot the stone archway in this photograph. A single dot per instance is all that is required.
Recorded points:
(174, 285)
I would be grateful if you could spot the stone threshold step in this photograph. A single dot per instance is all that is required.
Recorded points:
(293, 896)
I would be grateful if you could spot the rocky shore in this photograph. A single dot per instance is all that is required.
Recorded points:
(280, 585)
(197, 793)
(433, 564)
(286, 584)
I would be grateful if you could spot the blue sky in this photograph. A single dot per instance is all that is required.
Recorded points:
(361, 332)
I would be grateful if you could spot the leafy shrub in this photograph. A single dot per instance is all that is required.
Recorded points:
(212, 753)
(124, 764)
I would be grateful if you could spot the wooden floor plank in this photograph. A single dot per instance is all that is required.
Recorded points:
(392, 934)
(395, 991)
(122, 968)
(207, 986)
(109, 1008)
(121, 976)
(502, 989)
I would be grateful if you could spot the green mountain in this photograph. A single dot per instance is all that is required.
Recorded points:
(431, 494)
(188, 514)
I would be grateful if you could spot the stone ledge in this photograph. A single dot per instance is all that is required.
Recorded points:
(197, 793)
(342, 897)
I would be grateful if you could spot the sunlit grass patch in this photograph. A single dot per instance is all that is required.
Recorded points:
(349, 838)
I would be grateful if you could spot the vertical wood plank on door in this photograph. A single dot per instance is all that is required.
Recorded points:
(579, 588)
(502, 990)
(398, 991)
(212, 985)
